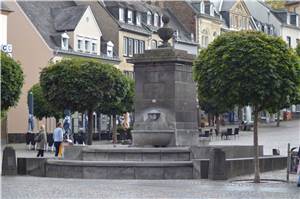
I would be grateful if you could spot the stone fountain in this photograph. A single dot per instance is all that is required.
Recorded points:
(165, 101)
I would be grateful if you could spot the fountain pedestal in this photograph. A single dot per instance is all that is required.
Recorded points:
(165, 99)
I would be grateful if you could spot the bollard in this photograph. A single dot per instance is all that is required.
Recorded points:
(9, 163)
(288, 163)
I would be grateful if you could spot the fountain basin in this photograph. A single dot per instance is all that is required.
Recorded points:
(155, 138)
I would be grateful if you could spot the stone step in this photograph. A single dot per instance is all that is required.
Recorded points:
(136, 154)
(119, 169)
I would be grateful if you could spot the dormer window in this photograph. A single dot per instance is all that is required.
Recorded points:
(138, 19)
(212, 10)
(130, 17)
(259, 26)
(110, 49)
(121, 14)
(266, 29)
(271, 31)
(65, 41)
(149, 16)
(176, 34)
(156, 19)
(202, 7)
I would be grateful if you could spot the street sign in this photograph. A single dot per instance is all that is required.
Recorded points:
(6, 48)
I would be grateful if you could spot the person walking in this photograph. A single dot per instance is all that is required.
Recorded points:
(298, 168)
(41, 141)
(57, 137)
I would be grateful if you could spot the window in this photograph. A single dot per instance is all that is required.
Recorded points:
(79, 44)
(138, 18)
(94, 47)
(153, 44)
(271, 30)
(298, 41)
(212, 10)
(136, 46)
(110, 49)
(288, 39)
(204, 38)
(202, 7)
(266, 29)
(64, 41)
(288, 18)
(149, 18)
(130, 47)
(176, 34)
(142, 47)
(259, 26)
(156, 18)
(125, 46)
(87, 45)
(130, 17)
(121, 14)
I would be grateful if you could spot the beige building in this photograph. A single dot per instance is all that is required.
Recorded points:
(50, 31)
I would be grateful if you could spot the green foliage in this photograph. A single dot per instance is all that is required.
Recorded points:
(77, 84)
(120, 100)
(12, 80)
(247, 68)
(298, 49)
(41, 107)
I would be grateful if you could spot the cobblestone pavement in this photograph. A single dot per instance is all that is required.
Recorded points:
(269, 136)
(44, 188)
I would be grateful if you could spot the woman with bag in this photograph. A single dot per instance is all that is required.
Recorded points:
(41, 141)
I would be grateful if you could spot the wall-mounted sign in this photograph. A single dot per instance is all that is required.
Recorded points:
(6, 48)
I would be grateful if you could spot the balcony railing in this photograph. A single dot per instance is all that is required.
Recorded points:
(87, 54)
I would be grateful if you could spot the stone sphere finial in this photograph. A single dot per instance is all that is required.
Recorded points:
(165, 33)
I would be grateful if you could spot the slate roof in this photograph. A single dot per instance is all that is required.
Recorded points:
(66, 19)
(40, 14)
(196, 7)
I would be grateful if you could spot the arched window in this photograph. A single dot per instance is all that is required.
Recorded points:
(204, 38)
(153, 44)
(202, 7)
(212, 10)
(156, 18)
(149, 18)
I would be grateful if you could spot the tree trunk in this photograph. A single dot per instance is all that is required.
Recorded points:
(240, 114)
(218, 122)
(114, 129)
(278, 119)
(90, 127)
(46, 125)
(256, 151)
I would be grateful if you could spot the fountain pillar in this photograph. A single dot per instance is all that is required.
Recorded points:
(165, 96)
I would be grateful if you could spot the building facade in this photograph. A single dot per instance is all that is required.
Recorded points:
(50, 31)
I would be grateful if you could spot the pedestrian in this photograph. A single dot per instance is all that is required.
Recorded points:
(41, 141)
(298, 169)
(57, 137)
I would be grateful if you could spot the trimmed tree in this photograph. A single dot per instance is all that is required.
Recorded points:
(41, 107)
(119, 100)
(12, 80)
(249, 68)
(77, 85)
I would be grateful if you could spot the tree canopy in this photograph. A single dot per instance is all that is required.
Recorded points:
(12, 80)
(78, 85)
(41, 107)
(119, 100)
(248, 68)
